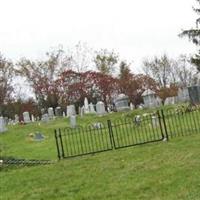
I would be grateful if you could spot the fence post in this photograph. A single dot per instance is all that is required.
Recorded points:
(112, 141)
(160, 124)
(61, 143)
(57, 145)
(164, 123)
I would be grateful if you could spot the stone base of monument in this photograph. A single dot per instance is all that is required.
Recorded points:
(123, 109)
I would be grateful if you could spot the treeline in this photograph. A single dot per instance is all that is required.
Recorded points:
(67, 78)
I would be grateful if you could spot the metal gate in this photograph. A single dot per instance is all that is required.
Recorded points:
(138, 130)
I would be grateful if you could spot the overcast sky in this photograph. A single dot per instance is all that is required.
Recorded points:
(133, 28)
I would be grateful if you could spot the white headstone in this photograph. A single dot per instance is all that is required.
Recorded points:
(100, 107)
(91, 108)
(149, 98)
(73, 121)
(32, 118)
(155, 121)
(131, 106)
(16, 119)
(45, 117)
(64, 114)
(86, 106)
(2, 125)
(50, 112)
(26, 117)
(71, 110)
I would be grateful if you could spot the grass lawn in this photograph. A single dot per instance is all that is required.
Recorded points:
(164, 170)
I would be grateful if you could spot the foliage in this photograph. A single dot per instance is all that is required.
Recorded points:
(18, 107)
(105, 61)
(74, 87)
(194, 36)
(6, 74)
(42, 75)
(170, 74)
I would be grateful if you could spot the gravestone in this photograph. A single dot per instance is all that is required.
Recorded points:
(32, 118)
(42, 111)
(131, 106)
(6, 120)
(137, 120)
(194, 94)
(58, 111)
(97, 125)
(2, 125)
(183, 95)
(50, 113)
(170, 100)
(141, 106)
(155, 121)
(38, 136)
(91, 108)
(82, 111)
(100, 108)
(16, 119)
(86, 106)
(10, 122)
(73, 121)
(149, 98)
(45, 118)
(121, 103)
(71, 110)
(26, 117)
(64, 115)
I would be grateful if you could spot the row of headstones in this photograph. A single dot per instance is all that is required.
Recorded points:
(189, 94)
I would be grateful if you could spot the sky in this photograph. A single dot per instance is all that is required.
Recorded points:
(133, 28)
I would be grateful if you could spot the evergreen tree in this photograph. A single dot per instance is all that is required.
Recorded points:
(194, 35)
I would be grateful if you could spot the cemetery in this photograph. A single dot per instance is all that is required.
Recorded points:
(143, 121)
(115, 116)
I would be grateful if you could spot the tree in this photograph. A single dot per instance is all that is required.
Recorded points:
(194, 36)
(105, 61)
(42, 76)
(159, 69)
(81, 57)
(184, 73)
(133, 85)
(73, 87)
(6, 74)
(163, 71)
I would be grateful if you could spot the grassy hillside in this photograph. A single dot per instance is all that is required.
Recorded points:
(157, 171)
(166, 170)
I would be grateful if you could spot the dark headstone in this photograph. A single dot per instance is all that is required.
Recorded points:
(194, 93)
(38, 136)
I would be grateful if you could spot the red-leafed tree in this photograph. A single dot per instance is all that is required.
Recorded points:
(74, 87)
(42, 76)
(134, 85)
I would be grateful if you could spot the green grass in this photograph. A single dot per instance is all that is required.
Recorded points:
(162, 171)
(157, 171)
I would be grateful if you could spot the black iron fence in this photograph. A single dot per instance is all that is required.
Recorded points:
(130, 131)
(182, 121)
(81, 141)
(101, 137)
